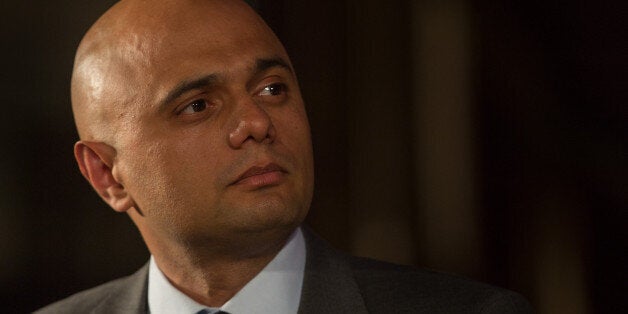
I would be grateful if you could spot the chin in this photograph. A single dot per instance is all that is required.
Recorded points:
(270, 218)
(263, 230)
(266, 212)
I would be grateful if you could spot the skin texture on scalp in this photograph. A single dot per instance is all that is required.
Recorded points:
(177, 171)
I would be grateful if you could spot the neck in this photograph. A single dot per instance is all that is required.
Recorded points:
(212, 278)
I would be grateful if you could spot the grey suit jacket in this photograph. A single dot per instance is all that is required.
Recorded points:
(334, 282)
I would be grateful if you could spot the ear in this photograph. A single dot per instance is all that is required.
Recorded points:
(96, 161)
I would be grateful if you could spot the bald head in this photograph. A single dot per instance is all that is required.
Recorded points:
(175, 103)
(121, 56)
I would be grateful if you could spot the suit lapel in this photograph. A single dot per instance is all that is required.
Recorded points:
(130, 295)
(328, 283)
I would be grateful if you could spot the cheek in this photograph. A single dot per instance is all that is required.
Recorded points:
(294, 122)
(298, 130)
(190, 162)
(294, 133)
(168, 173)
(146, 177)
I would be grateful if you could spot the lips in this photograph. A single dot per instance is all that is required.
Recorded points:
(261, 176)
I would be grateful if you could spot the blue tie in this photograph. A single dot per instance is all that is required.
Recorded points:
(208, 311)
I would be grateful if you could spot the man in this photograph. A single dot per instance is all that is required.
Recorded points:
(191, 121)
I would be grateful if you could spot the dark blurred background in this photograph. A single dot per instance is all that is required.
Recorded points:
(485, 138)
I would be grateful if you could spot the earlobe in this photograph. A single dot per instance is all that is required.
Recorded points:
(96, 160)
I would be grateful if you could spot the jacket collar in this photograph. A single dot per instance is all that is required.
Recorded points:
(131, 297)
(328, 284)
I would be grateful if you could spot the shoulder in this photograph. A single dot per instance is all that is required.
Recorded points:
(126, 292)
(390, 288)
(83, 301)
(412, 289)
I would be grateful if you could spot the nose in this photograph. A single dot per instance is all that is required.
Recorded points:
(252, 124)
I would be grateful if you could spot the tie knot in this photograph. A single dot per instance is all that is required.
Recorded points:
(210, 311)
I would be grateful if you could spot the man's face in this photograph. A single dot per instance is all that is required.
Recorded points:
(212, 136)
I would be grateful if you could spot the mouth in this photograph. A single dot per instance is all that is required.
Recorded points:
(258, 177)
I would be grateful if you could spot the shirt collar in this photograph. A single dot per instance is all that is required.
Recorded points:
(276, 289)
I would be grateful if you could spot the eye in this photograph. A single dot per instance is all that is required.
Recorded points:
(275, 89)
(195, 106)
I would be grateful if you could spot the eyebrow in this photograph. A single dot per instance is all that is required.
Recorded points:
(261, 65)
(187, 86)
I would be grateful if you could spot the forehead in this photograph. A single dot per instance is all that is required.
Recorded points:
(208, 45)
(139, 50)
(183, 43)
(191, 28)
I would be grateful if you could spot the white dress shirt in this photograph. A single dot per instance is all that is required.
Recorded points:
(276, 289)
